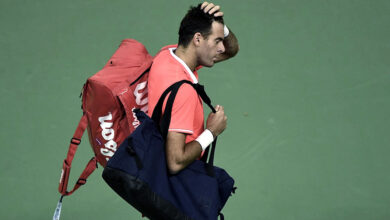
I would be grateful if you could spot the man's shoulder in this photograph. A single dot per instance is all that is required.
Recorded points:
(169, 46)
(164, 63)
(165, 50)
(162, 57)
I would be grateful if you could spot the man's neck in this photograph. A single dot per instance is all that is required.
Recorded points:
(188, 57)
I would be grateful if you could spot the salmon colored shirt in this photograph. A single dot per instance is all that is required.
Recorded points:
(187, 111)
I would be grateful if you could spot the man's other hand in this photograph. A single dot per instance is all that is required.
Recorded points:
(216, 122)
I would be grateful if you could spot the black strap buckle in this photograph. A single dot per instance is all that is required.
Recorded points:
(81, 181)
(75, 141)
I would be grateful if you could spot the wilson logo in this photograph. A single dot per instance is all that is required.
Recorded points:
(108, 134)
(140, 98)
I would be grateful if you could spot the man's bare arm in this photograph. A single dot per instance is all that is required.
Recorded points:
(179, 154)
(231, 47)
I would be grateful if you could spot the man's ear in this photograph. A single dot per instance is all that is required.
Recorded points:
(197, 38)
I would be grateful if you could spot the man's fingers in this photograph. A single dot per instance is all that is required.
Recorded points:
(211, 9)
(218, 14)
(204, 4)
(208, 7)
(214, 9)
(220, 108)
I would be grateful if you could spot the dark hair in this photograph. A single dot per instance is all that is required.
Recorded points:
(196, 21)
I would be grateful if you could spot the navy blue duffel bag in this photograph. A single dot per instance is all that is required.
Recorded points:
(139, 174)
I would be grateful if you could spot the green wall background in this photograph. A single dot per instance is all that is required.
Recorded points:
(307, 99)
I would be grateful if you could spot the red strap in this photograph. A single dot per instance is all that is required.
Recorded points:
(91, 166)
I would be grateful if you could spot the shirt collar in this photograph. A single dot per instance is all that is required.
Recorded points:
(190, 73)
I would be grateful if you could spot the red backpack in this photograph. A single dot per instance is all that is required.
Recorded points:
(108, 98)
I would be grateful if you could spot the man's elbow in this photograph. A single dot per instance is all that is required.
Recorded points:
(228, 54)
(174, 167)
(233, 51)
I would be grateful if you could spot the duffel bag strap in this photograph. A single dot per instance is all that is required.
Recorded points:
(91, 166)
(67, 164)
(221, 217)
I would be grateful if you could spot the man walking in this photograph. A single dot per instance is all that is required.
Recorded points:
(203, 41)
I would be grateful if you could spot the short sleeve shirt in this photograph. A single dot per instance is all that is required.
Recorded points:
(187, 111)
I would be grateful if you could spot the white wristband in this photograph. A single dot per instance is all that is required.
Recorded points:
(225, 31)
(205, 139)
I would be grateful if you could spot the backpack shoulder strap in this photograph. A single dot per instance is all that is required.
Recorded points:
(91, 166)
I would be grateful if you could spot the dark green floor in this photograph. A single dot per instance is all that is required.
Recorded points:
(308, 101)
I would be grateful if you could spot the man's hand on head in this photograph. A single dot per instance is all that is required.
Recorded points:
(230, 41)
(211, 9)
